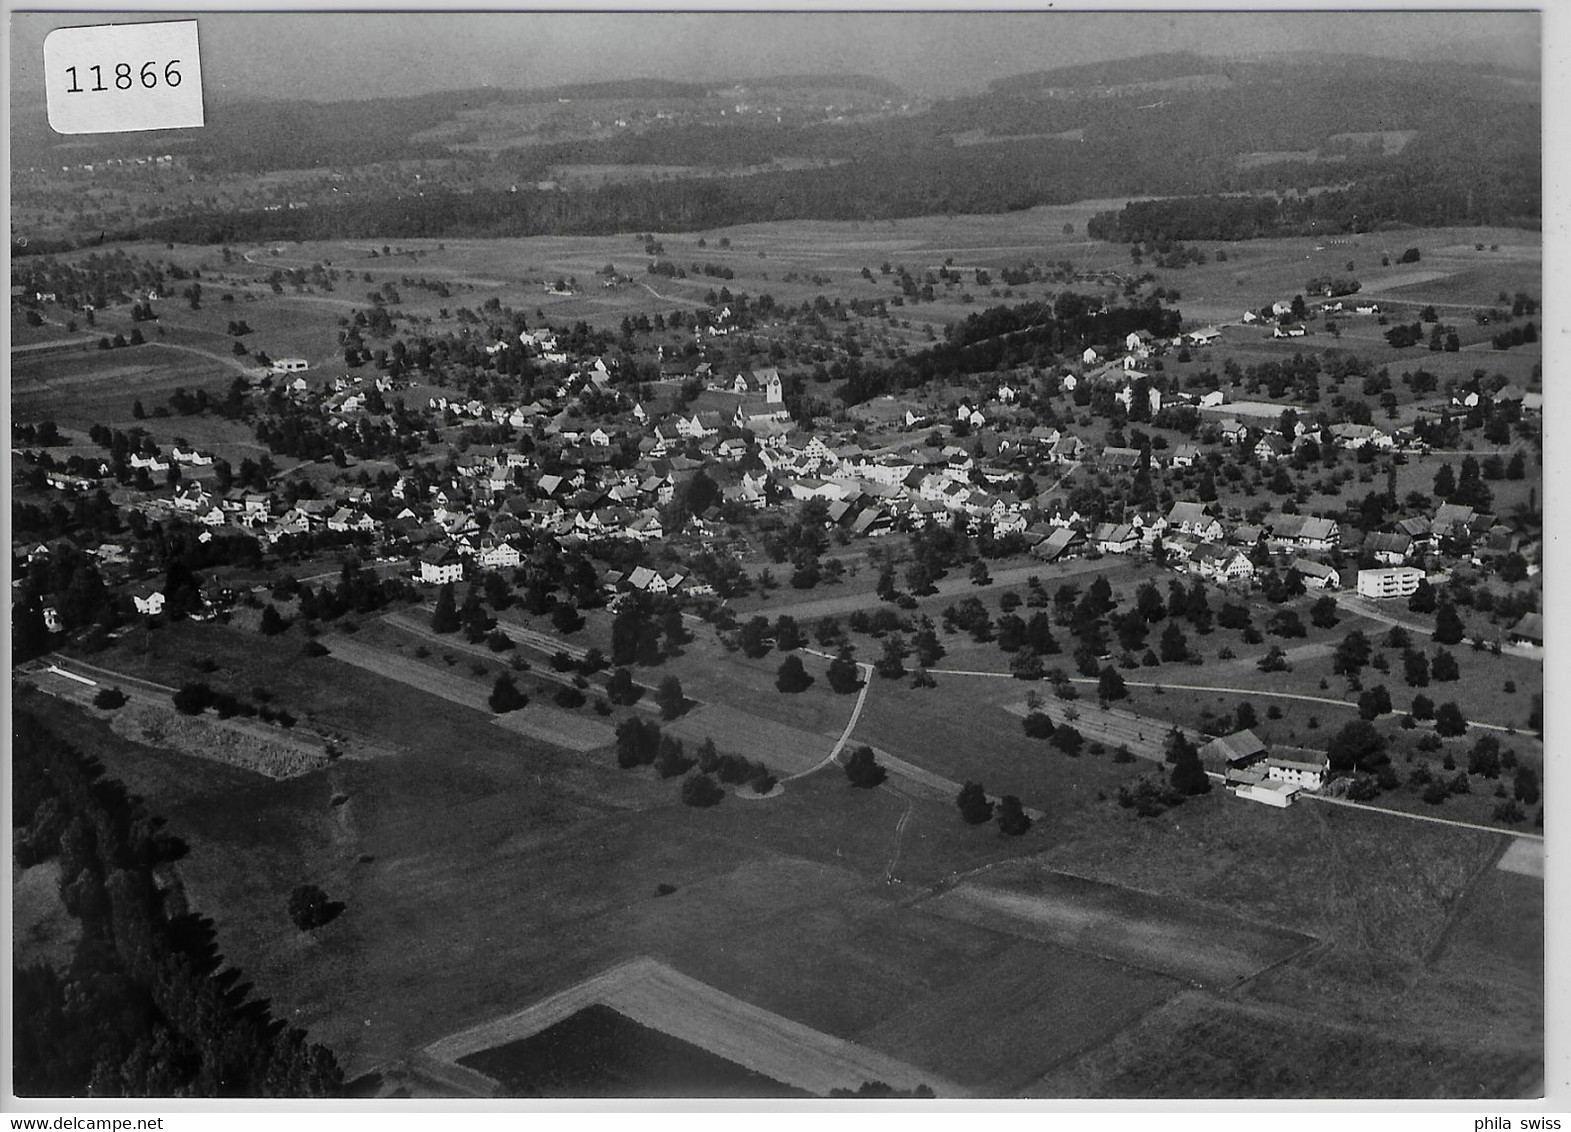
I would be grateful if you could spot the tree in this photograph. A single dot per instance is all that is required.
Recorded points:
(1012, 818)
(1174, 645)
(862, 769)
(1188, 776)
(891, 666)
(310, 908)
(1448, 626)
(1351, 655)
(1423, 599)
(701, 791)
(788, 635)
(1322, 614)
(108, 699)
(844, 676)
(192, 699)
(672, 761)
(1484, 758)
(273, 622)
(444, 619)
(1449, 720)
(1068, 740)
(637, 742)
(620, 688)
(1423, 707)
(1415, 668)
(1176, 745)
(1275, 660)
(1148, 602)
(1357, 746)
(979, 573)
(975, 807)
(1110, 684)
(791, 676)
(929, 651)
(505, 696)
(753, 637)
(1244, 717)
(1374, 702)
(565, 619)
(1037, 724)
(1444, 668)
(1524, 786)
(670, 698)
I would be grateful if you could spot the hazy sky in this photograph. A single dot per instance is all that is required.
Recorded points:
(341, 55)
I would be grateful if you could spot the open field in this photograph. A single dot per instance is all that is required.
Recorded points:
(1199, 1046)
(1151, 932)
(42, 931)
(599, 1052)
(786, 750)
(666, 1000)
(998, 1028)
(536, 721)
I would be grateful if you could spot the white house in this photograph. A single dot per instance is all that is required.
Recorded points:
(441, 564)
(1308, 771)
(151, 605)
(1271, 793)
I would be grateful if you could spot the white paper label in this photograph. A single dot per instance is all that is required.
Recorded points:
(112, 78)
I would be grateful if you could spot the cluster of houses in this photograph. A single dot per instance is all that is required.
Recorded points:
(1253, 771)
(603, 464)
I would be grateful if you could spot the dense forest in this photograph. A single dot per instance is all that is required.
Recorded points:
(1508, 197)
(146, 1007)
(1006, 337)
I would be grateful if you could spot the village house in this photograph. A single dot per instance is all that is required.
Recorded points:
(1194, 519)
(441, 564)
(1298, 767)
(1390, 548)
(1115, 538)
(1355, 436)
(1316, 575)
(1221, 563)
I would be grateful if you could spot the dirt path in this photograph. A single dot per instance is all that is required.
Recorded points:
(856, 714)
(1503, 831)
(231, 361)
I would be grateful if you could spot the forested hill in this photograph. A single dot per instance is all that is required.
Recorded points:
(1408, 144)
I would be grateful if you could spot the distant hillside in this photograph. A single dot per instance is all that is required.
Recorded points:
(1141, 69)
(1407, 143)
(866, 83)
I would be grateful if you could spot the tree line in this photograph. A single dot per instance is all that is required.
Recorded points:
(147, 1005)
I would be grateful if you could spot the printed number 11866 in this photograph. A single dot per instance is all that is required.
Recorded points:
(123, 79)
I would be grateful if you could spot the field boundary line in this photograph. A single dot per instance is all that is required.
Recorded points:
(657, 995)
(1421, 817)
(1232, 691)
